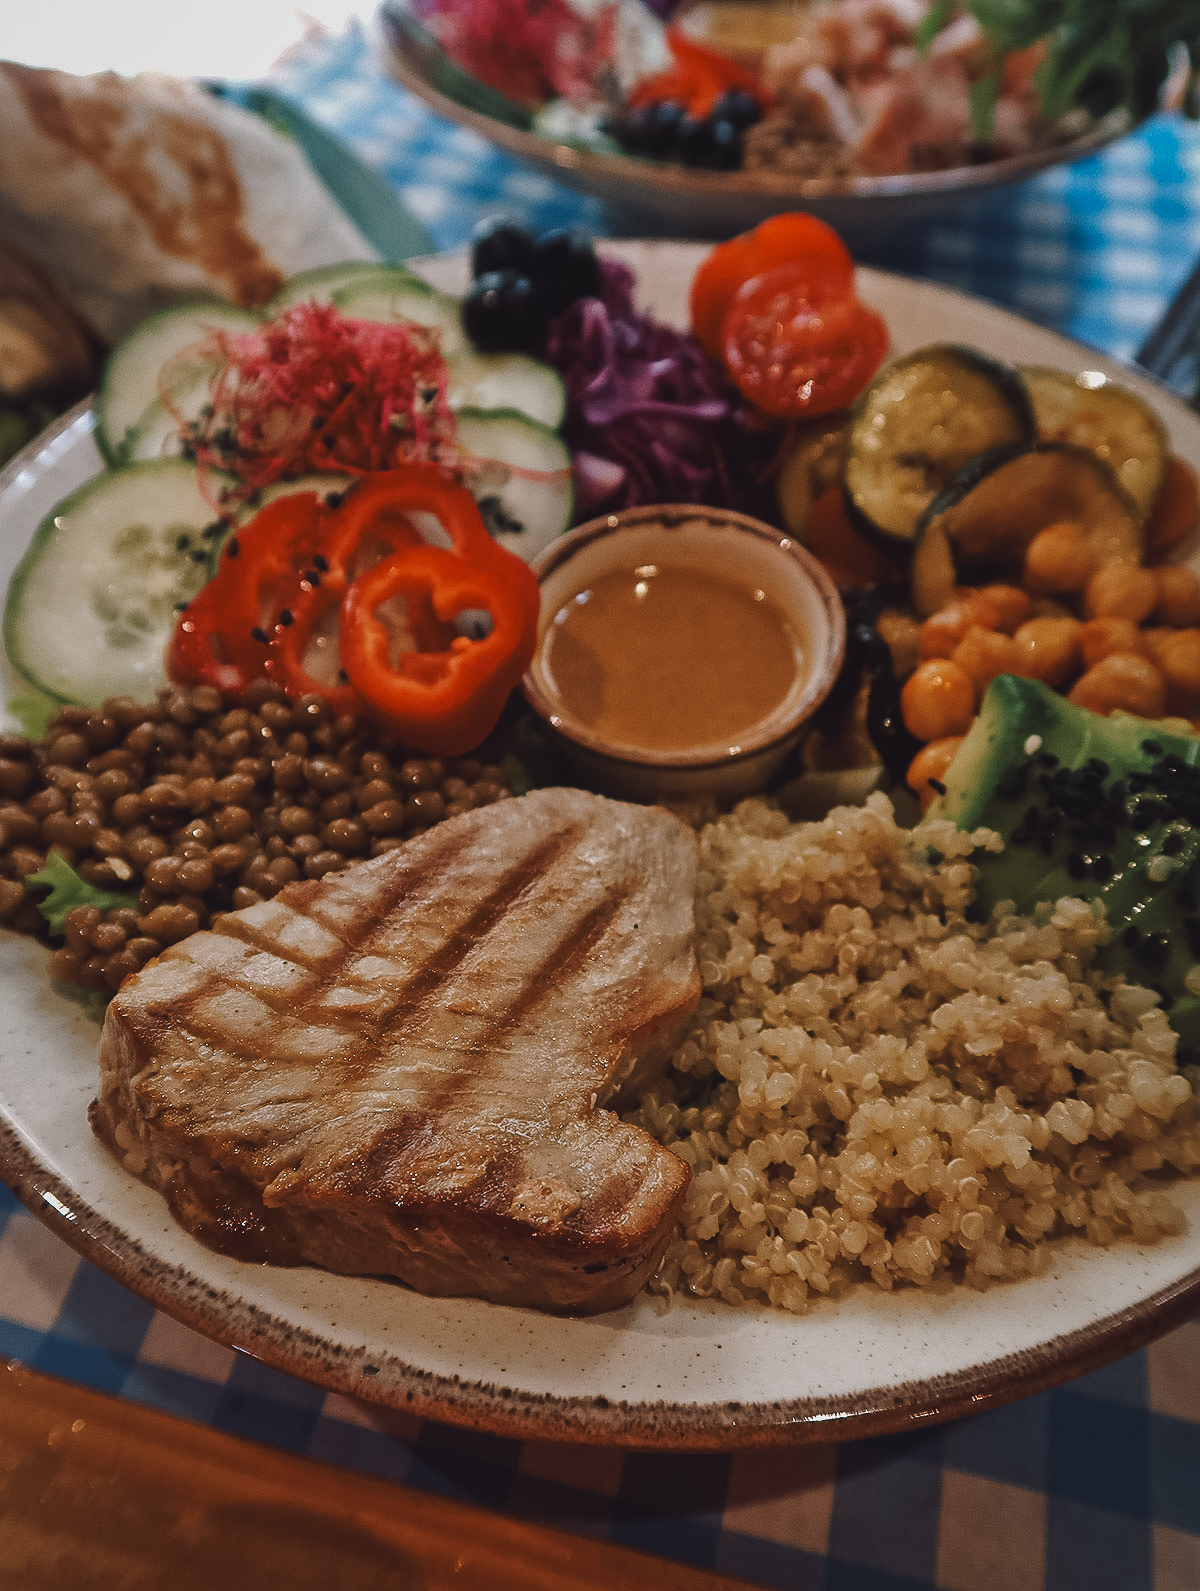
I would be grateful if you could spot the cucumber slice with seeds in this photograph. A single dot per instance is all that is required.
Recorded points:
(399, 295)
(321, 283)
(522, 478)
(506, 381)
(95, 599)
(131, 419)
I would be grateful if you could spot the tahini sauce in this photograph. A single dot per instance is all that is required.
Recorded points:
(667, 657)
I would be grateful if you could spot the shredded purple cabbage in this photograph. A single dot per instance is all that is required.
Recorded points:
(649, 418)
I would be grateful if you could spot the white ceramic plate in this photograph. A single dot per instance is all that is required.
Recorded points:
(701, 1376)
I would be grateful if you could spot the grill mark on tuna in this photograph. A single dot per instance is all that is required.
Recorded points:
(582, 937)
(364, 932)
(491, 910)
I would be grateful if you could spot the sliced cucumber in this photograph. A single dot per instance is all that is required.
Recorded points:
(922, 418)
(129, 404)
(520, 476)
(1120, 427)
(982, 523)
(320, 284)
(506, 381)
(94, 600)
(397, 294)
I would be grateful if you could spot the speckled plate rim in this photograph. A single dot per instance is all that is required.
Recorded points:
(645, 182)
(700, 1377)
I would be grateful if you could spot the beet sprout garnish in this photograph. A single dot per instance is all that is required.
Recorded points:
(314, 390)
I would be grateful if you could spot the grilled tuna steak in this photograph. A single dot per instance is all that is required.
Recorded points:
(408, 1068)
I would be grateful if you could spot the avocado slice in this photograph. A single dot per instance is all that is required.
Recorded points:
(1107, 809)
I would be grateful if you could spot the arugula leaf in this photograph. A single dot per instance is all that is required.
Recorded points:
(939, 14)
(68, 890)
(984, 95)
(1102, 57)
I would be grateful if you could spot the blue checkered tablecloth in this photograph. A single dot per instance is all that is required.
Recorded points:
(1091, 1487)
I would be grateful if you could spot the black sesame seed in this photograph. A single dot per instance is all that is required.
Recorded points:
(259, 634)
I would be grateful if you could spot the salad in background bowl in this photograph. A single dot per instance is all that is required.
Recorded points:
(871, 113)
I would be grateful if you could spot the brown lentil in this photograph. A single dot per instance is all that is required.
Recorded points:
(190, 806)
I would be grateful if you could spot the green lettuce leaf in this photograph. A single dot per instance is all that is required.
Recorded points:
(68, 890)
(1101, 57)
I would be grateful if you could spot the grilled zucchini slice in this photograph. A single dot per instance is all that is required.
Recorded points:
(920, 421)
(980, 526)
(1120, 427)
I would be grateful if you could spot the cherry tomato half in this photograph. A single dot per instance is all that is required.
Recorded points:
(795, 352)
(792, 238)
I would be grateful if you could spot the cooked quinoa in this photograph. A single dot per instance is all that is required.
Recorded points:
(876, 1088)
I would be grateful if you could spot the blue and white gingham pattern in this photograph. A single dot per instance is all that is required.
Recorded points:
(1091, 1487)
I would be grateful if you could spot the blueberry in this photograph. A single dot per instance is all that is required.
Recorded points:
(647, 130)
(503, 313)
(500, 243)
(738, 106)
(565, 268)
(693, 141)
(725, 145)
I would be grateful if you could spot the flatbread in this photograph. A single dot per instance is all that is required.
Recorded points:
(134, 193)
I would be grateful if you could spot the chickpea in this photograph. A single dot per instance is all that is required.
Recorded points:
(1177, 654)
(1178, 596)
(938, 699)
(1059, 559)
(1121, 591)
(986, 653)
(1049, 649)
(942, 631)
(1100, 637)
(1123, 681)
(1000, 607)
(930, 764)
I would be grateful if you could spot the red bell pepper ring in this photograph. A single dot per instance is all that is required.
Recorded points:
(440, 702)
(306, 572)
(444, 701)
(224, 633)
(311, 622)
(697, 78)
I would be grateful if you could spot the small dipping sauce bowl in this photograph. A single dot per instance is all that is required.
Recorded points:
(681, 650)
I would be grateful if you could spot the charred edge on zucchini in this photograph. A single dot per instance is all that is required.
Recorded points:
(919, 422)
